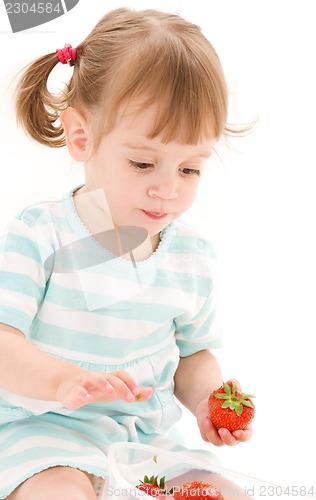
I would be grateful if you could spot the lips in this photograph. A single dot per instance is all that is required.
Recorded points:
(155, 215)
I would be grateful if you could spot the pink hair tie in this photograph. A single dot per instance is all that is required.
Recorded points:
(67, 55)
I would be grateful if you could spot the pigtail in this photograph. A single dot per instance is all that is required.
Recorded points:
(37, 109)
(160, 58)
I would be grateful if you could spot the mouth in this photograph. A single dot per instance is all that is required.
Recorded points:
(155, 215)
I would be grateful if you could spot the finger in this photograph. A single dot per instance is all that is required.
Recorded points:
(78, 397)
(205, 429)
(128, 380)
(243, 435)
(234, 381)
(121, 389)
(209, 433)
(98, 384)
(134, 393)
(227, 437)
(144, 393)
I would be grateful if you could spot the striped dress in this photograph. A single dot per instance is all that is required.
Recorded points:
(75, 300)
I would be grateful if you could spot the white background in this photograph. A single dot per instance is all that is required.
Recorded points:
(257, 203)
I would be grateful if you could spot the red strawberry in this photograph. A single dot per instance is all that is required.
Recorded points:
(230, 408)
(196, 489)
(151, 487)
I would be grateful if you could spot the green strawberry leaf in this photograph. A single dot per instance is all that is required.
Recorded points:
(247, 403)
(227, 389)
(221, 395)
(226, 404)
(234, 388)
(238, 409)
(162, 483)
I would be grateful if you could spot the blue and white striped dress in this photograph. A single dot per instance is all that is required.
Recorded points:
(105, 315)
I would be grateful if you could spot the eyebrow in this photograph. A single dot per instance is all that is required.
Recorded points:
(139, 147)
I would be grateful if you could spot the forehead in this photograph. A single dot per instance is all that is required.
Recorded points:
(135, 123)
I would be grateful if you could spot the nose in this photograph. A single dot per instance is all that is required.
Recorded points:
(164, 187)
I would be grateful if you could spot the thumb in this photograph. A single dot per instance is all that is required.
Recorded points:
(232, 381)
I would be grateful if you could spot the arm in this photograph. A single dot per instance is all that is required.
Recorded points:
(32, 373)
(196, 377)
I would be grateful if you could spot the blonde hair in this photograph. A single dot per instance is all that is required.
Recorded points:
(159, 57)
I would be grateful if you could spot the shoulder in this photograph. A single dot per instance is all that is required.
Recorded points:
(37, 223)
(39, 213)
(186, 239)
(190, 257)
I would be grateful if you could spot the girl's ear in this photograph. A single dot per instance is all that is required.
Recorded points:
(76, 134)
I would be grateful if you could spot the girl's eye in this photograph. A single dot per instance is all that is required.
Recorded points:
(190, 171)
(140, 165)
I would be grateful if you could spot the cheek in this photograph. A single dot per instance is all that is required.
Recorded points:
(115, 186)
(119, 196)
(190, 192)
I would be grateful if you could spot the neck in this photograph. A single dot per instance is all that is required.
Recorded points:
(93, 210)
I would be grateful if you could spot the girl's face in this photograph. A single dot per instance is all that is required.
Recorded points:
(146, 183)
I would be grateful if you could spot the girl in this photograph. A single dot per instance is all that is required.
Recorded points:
(107, 302)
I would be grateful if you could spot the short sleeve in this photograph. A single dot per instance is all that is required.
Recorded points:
(199, 327)
(23, 276)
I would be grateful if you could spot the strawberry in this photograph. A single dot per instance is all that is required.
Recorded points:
(230, 408)
(151, 486)
(196, 489)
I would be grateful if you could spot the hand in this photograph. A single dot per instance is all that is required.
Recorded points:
(83, 387)
(218, 437)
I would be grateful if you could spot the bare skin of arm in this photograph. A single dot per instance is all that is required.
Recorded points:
(196, 377)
